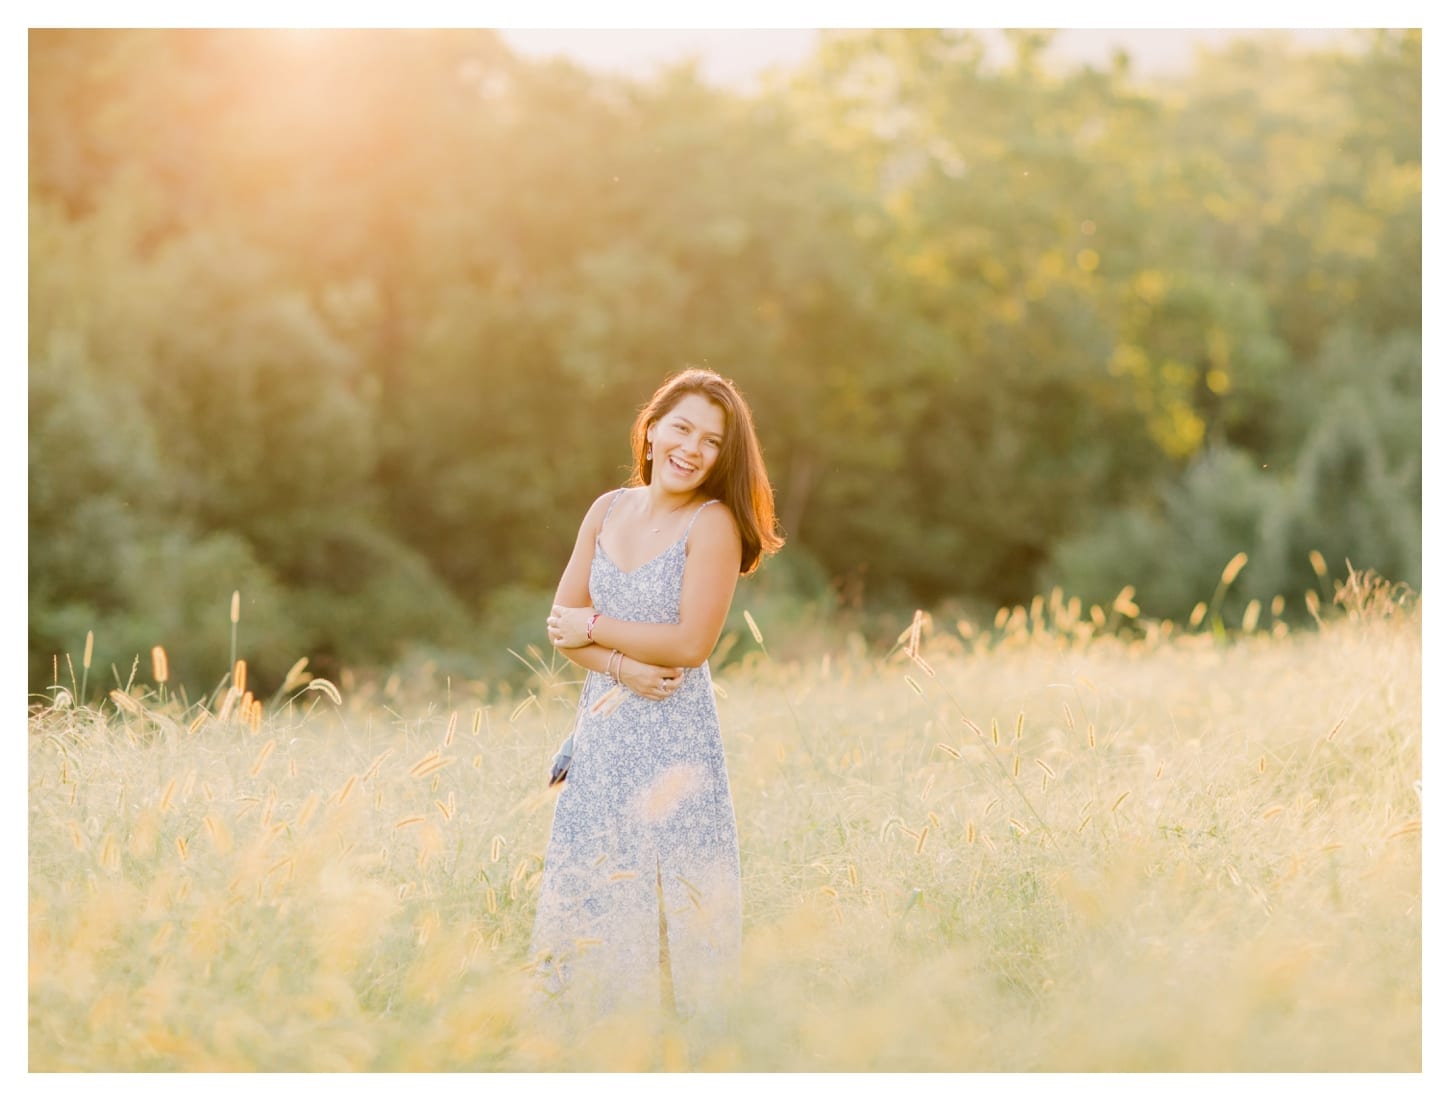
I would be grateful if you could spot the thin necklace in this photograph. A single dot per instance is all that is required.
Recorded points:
(656, 531)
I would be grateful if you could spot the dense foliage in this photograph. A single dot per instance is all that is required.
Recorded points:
(355, 322)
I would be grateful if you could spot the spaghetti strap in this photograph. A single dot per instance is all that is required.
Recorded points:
(618, 493)
(695, 517)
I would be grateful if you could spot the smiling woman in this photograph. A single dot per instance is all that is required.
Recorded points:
(639, 906)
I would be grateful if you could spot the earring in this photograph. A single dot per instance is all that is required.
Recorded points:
(649, 453)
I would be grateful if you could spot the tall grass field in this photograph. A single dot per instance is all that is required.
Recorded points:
(1060, 842)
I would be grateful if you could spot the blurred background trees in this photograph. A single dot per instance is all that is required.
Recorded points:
(355, 322)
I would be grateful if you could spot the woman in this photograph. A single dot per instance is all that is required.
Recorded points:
(640, 900)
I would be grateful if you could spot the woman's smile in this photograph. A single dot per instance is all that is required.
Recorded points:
(686, 442)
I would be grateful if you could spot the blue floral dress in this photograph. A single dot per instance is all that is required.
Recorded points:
(639, 905)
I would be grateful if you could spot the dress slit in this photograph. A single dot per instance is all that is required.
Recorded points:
(667, 981)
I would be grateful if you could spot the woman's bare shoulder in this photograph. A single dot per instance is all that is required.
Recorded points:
(716, 524)
(594, 518)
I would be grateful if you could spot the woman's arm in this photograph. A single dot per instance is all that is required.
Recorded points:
(654, 682)
(711, 571)
(642, 677)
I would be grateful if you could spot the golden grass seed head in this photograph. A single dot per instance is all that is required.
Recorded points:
(1233, 568)
(374, 768)
(126, 703)
(754, 630)
(1123, 603)
(236, 605)
(1195, 617)
(327, 688)
(346, 789)
(262, 755)
(160, 671)
(89, 650)
(110, 854)
(1316, 560)
(923, 665)
(1410, 827)
(239, 676)
(296, 677)
(610, 701)
(1251, 616)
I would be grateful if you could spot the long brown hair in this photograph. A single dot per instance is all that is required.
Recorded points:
(738, 478)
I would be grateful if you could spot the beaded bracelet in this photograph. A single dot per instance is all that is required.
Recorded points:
(609, 665)
(589, 631)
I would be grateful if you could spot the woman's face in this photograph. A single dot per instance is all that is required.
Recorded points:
(687, 442)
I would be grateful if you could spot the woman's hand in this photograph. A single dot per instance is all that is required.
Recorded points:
(653, 682)
(569, 627)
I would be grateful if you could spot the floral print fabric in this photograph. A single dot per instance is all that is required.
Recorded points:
(640, 898)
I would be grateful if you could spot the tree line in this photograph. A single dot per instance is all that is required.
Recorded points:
(354, 323)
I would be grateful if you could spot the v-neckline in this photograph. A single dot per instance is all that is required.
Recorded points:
(599, 546)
